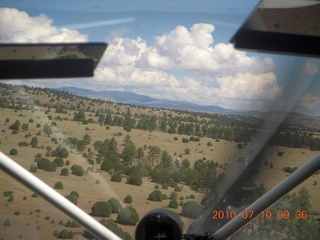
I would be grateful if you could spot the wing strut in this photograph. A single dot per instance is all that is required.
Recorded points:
(55, 198)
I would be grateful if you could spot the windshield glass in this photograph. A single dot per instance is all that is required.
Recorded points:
(173, 118)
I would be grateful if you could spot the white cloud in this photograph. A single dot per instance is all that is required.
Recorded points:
(18, 27)
(309, 101)
(183, 64)
(310, 67)
(211, 74)
(248, 86)
(193, 50)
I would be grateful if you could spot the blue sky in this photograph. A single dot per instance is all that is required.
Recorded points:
(168, 49)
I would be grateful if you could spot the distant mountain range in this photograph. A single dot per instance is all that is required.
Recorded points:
(142, 100)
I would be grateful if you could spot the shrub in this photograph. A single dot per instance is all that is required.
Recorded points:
(34, 195)
(58, 185)
(10, 199)
(33, 168)
(194, 139)
(134, 180)
(128, 199)
(187, 151)
(164, 186)
(156, 195)
(128, 216)
(23, 144)
(42, 162)
(7, 193)
(107, 165)
(64, 172)
(13, 151)
(112, 226)
(34, 142)
(7, 223)
(185, 163)
(59, 161)
(73, 198)
(50, 167)
(47, 129)
(101, 209)
(173, 196)
(116, 177)
(115, 205)
(191, 210)
(98, 160)
(209, 144)
(156, 186)
(185, 140)
(72, 224)
(62, 152)
(77, 170)
(173, 204)
(87, 235)
(55, 233)
(164, 196)
(65, 234)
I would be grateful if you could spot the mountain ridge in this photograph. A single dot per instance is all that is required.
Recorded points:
(143, 100)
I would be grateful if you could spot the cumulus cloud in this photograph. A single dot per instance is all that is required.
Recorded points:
(185, 49)
(309, 101)
(248, 86)
(18, 27)
(183, 64)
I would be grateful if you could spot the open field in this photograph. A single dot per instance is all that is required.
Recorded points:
(86, 186)
(33, 218)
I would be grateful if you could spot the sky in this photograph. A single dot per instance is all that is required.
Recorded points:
(177, 50)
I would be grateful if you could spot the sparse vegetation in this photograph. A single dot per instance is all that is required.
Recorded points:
(151, 153)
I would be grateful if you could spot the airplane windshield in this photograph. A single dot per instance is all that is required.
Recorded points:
(174, 118)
